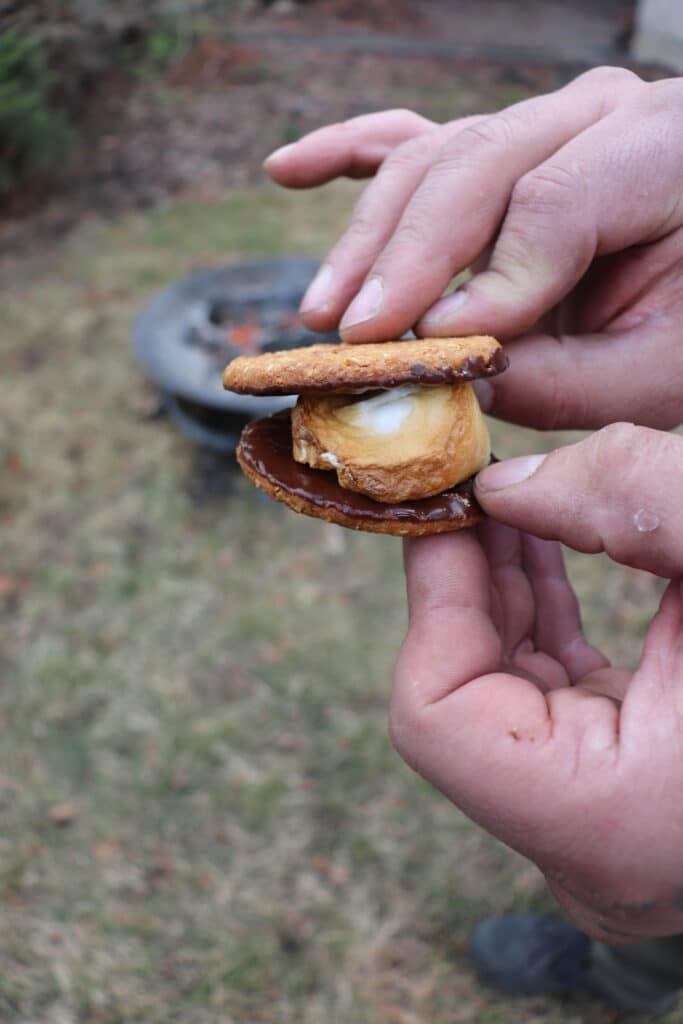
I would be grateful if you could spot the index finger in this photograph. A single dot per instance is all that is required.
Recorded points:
(457, 210)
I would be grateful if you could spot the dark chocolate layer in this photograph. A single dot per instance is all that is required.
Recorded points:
(265, 453)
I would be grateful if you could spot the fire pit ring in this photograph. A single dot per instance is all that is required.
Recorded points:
(187, 333)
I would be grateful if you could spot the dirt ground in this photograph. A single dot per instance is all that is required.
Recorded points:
(270, 74)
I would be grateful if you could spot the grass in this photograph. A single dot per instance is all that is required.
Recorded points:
(202, 816)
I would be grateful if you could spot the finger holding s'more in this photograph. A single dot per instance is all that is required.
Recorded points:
(384, 437)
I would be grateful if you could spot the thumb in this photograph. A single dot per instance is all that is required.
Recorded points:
(619, 490)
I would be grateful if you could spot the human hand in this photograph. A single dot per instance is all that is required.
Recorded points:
(569, 208)
(501, 703)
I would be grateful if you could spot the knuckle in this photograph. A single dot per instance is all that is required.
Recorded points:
(402, 112)
(365, 222)
(411, 232)
(479, 139)
(608, 86)
(408, 154)
(409, 117)
(546, 221)
(666, 94)
(361, 227)
(565, 407)
(608, 76)
(337, 127)
(546, 189)
(607, 444)
(623, 460)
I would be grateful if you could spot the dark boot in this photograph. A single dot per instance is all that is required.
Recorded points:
(534, 955)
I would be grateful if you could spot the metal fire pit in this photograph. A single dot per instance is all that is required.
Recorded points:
(187, 334)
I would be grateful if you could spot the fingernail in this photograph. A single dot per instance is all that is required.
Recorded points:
(445, 307)
(277, 153)
(365, 305)
(508, 473)
(483, 389)
(318, 292)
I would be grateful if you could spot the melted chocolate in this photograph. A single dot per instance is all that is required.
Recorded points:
(420, 373)
(266, 448)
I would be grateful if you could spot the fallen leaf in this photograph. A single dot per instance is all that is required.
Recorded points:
(64, 813)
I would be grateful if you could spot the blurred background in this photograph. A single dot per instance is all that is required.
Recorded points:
(202, 817)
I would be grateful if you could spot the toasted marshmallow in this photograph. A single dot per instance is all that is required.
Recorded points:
(404, 443)
(384, 413)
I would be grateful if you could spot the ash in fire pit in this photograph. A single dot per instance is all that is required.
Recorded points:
(247, 329)
(187, 334)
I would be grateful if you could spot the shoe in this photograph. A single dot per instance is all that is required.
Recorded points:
(532, 955)
(529, 954)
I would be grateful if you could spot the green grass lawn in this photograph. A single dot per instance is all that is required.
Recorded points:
(202, 817)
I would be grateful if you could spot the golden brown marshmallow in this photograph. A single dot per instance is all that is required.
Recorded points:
(408, 442)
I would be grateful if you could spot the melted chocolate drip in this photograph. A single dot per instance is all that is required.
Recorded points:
(266, 448)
